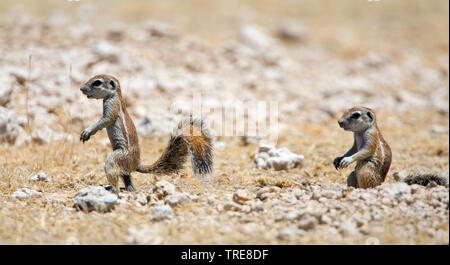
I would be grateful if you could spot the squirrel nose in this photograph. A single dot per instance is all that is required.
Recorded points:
(84, 89)
(341, 123)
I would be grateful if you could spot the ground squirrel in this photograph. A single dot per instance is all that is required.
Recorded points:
(190, 136)
(369, 150)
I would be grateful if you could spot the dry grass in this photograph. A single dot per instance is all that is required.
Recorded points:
(349, 28)
(74, 166)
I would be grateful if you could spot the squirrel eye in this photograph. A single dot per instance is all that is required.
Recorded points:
(97, 83)
(112, 84)
(355, 115)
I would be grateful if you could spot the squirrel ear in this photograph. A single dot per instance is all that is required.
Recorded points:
(370, 116)
(112, 84)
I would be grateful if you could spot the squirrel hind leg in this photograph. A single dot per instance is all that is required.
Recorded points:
(368, 176)
(113, 179)
(115, 167)
(352, 181)
(126, 178)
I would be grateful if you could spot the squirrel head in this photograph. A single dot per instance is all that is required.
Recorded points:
(357, 119)
(101, 87)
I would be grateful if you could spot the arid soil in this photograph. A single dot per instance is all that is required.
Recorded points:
(392, 57)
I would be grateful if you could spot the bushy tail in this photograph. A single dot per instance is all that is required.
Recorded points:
(189, 137)
(421, 178)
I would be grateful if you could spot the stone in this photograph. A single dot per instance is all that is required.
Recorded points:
(241, 196)
(292, 31)
(9, 126)
(103, 50)
(146, 235)
(160, 124)
(439, 99)
(348, 228)
(255, 37)
(6, 90)
(25, 193)
(161, 212)
(395, 190)
(220, 145)
(160, 29)
(269, 157)
(307, 222)
(41, 176)
(178, 199)
(163, 188)
(116, 32)
(142, 198)
(95, 198)
(399, 175)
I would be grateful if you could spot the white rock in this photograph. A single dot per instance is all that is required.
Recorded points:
(22, 75)
(160, 29)
(161, 212)
(25, 193)
(307, 222)
(142, 198)
(258, 206)
(145, 235)
(438, 129)
(399, 175)
(10, 129)
(41, 176)
(95, 198)
(255, 37)
(289, 232)
(163, 188)
(394, 190)
(292, 30)
(50, 103)
(269, 157)
(45, 135)
(105, 51)
(220, 145)
(246, 140)
(178, 199)
(152, 125)
(348, 228)
(439, 99)
(116, 31)
(231, 206)
(6, 90)
(241, 196)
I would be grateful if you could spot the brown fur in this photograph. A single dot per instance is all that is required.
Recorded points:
(196, 141)
(370, 150)
(125, 157)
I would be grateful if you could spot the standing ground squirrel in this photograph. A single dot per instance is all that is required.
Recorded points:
(189, 136)
(370, 150)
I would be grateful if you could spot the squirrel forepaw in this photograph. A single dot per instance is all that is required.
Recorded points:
(85, 135)
(337, 161)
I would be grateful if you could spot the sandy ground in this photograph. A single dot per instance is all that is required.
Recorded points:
(392, 57)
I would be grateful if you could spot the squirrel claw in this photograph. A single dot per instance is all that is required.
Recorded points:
(85, 135)
(337, 162)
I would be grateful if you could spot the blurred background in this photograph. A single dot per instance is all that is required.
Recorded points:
(347, 27)
(314, 58)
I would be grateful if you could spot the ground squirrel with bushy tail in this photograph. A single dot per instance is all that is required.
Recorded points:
(370, 151)
(189, 137)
